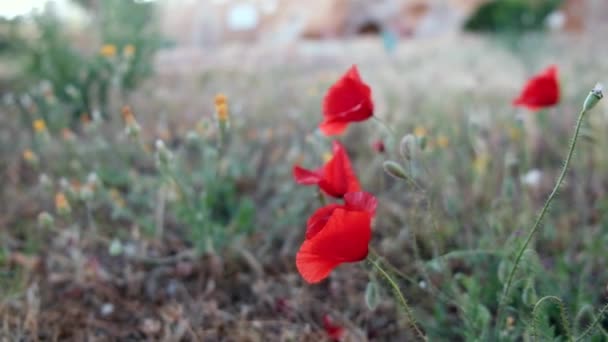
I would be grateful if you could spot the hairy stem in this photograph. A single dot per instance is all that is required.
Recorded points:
(563, 314)
(408, 311)
(595, 323)
(539, 220)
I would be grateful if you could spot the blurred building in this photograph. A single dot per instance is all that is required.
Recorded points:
(210, 22)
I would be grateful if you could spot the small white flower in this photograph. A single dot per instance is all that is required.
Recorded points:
(532, 178)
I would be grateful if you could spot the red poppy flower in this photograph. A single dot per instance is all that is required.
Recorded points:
(335, 178)
(334, 331)
(336, 234)
(348, 100)
(541, 91)
(378, 146)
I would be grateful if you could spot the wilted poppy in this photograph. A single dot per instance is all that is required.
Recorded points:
(334, 331)
(348, 100)
(336, 234)
(335, 178)
(541, 91)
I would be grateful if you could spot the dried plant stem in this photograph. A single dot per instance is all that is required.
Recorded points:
(539, 220)
(595, 323)
(408, 311)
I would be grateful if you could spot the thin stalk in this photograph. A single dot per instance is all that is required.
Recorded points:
(159, 215)
(593, 325)
(389, 130)
(563, 314)
(539, 219)
(408, 311)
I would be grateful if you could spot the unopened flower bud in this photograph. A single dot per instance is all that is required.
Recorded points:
(115, 248)
(408, 147)
(594, 97)
(132, 127)
(30, 157)
(422, 142)
(61, 204)
(45, 181)
(45, 220)
(394, 169)
(163, 155)
(86, 192)
(93, 179)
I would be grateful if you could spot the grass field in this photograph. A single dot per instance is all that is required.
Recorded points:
(199, 243)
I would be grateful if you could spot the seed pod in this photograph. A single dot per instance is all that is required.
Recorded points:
(408, 147)
(594, 97)
(372, 295)
(394, 169)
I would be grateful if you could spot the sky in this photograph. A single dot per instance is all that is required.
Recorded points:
(12, 8)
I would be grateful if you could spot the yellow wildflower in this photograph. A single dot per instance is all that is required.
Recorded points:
(128, 50)
(481, 163)
(222, 112)
(220, 99)
(39, 126)
(420, 132)
(515, 133)
(108, 50)
(61, 203)
(327, 156)
(117, 198)
(443, 141)
(29, 156)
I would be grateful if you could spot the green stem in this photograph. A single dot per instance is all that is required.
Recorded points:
(594, 324)
(563, 314)
(389, 130)
(539, 220)
(408, 311)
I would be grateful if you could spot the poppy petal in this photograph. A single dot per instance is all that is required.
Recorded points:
(347, 100)
(333, 127)
(319, 219)
(306, 177)
(345, 238)
(361, 201)
(540, 91)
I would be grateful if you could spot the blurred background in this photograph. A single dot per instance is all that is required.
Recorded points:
(108, 234)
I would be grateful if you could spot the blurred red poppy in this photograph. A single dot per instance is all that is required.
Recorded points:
(348, 100)
(378, 146)
(541, 91)
(336, 234)
(334, 331)
(335, 178)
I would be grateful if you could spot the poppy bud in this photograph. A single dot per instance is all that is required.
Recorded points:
(408, 147)
(422, 141)
(132, 127)
(45, 220)
(115, 248)
(378, 146)
(163, 155)
(394, 169)
(372, 295)
(45, 181)
(594, 97)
